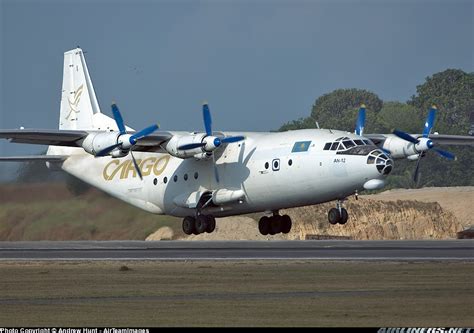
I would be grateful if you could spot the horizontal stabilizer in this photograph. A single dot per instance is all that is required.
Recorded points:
(38, 158)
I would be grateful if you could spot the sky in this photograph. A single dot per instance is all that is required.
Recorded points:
(259, 63)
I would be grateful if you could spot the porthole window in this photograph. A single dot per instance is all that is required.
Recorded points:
(165, 180)
(267, 165)
(276, 164)
(196, 175)
(290, 162)
(175, 178)
(185, 176)
(155, 181)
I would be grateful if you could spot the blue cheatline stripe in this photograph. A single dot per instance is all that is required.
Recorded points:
(300, 146)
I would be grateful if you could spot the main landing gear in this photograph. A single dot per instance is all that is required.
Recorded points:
(338, 214)
(274, 224)
(198, 225)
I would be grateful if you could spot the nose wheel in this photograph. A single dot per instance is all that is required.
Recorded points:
(338, 214)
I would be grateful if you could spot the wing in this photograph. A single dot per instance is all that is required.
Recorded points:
(45, 137)
(39, 158)
(438, 139)
(73, 138)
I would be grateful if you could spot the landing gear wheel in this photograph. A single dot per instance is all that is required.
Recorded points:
(275, 224)
(211, 224)
(188, 225)
(344, 216)
(334, 216)
(201, 224)
(286, 224)
(264, 225)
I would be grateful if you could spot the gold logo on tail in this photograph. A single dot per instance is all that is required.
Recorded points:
(73, 105)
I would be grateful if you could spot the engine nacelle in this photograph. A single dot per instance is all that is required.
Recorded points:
(400, 148)
(95, 142)
(178, 141)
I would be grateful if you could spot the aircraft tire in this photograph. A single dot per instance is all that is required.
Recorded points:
(211, 224)
(344, 216)
(286, 224)
(201, 224)
(276, 224)
(334, 216)
(188, 225)
(264, 225)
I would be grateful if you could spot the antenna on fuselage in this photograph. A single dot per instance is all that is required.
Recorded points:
(317, 124)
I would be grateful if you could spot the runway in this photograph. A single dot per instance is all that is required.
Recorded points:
(239, 250)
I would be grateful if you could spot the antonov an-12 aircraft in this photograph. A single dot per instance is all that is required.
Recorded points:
(206, 174)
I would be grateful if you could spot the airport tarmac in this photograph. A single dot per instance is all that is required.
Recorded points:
(239, 250)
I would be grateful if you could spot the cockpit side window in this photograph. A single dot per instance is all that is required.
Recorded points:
(359, 142)
(367, 142)
(327, 146)
(334, 145)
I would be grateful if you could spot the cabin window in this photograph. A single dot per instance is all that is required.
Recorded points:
(165, 180)
(196, 175)
(185, 176)
(155, 181)
(290, 162)
(267, 165)
(175, 178)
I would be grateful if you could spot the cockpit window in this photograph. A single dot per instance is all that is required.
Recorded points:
(359, 142)
(371, 160)
(349, 144)
(327, 146)
(334, 145)
(367, 142)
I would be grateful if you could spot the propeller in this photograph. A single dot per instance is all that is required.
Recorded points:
(209, 142)
(125, 141)
(423, 143)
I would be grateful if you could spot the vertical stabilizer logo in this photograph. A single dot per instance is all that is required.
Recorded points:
(74, 104)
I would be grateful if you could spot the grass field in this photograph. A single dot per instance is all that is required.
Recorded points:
(256, 293)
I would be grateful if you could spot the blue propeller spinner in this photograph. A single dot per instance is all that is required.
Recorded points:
(426, 132)
(125, 141)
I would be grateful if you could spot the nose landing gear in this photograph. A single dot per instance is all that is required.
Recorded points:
(338, 214)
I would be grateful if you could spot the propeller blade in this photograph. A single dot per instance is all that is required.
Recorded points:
(191, 146)
(144, 132)
(405, 136)
(415, 176)
(445, 154)
(429, 121)
(216, 173)
(206, 114)
(107, 150)
(137, 167)
(360, 123)
(118, 118)
(231, 139)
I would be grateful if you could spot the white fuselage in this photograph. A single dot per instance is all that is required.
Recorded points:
(267, 167)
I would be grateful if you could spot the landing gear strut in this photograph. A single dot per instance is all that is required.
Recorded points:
(199, 224)
(274, 224)
(338, 214)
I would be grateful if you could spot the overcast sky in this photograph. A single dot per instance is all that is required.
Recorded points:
(258, 63)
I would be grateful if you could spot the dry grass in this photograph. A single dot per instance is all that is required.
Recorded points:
(269, 293)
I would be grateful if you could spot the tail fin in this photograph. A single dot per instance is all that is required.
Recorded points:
(78, 100)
